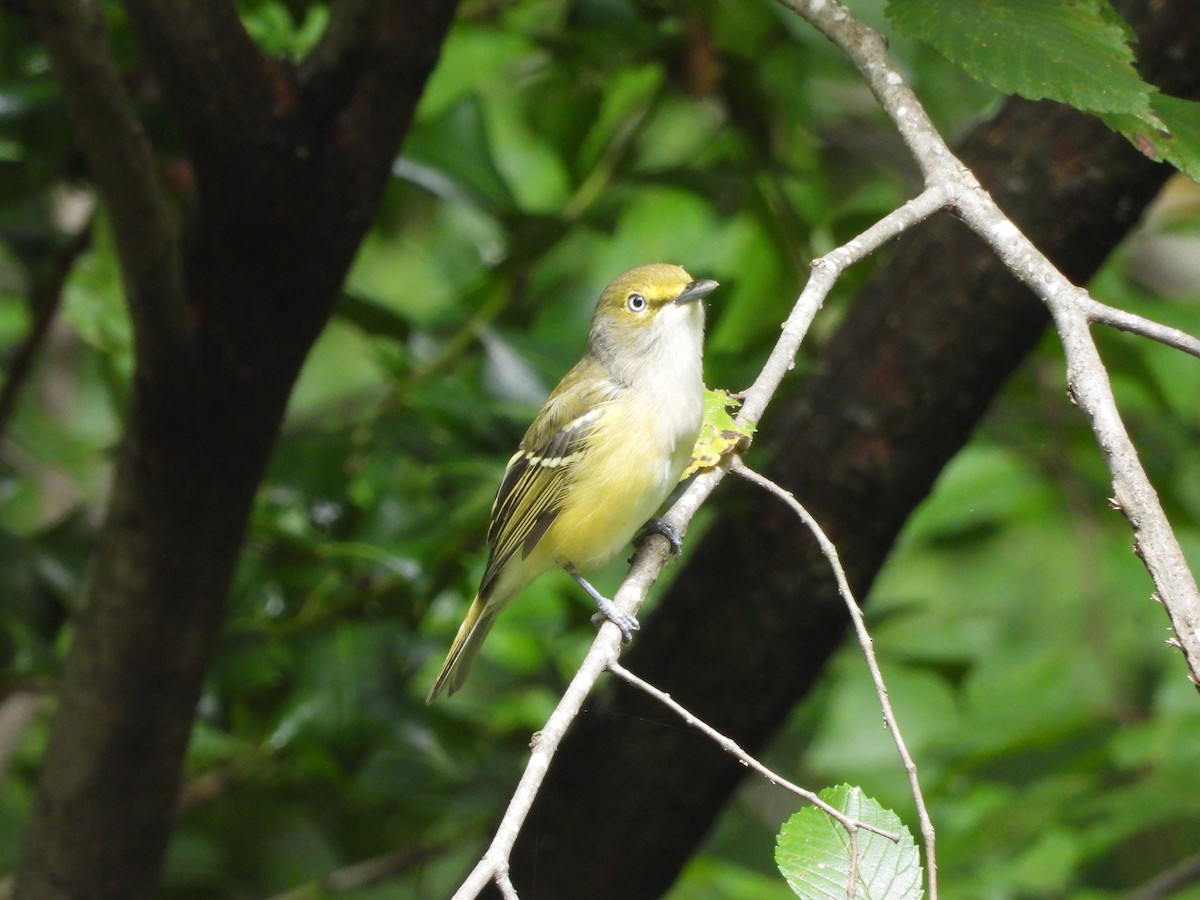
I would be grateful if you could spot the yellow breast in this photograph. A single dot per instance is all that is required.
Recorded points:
(633, 460)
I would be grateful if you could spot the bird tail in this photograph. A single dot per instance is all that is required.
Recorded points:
(471, 635)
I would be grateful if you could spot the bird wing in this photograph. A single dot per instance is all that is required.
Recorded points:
(539, 475)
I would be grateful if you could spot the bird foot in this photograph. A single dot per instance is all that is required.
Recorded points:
(609, 613)
(667, 530)
(608, 610)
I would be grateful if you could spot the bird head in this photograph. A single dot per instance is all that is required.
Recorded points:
(648, 310)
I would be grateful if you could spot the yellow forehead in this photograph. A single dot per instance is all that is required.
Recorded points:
(656, 282)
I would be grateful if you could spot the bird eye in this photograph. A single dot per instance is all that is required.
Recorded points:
(635, 302)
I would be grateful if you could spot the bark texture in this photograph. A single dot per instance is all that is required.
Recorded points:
(227, 289)
(748, 626)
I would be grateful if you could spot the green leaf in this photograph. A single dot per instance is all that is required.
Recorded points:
(813, 852)
(719, 434)
(1074, 51)
(277, 32)
(1174, 135)
(627, 98)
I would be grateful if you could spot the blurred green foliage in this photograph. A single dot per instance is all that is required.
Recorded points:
(560, 142)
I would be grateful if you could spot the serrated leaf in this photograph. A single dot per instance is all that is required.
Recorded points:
(813, 852)
(1075, 51)
(719, 434)
(1174, 136)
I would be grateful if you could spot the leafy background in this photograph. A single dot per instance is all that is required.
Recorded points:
(559, 143)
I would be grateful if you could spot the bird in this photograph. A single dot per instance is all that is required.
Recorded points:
(602, 454)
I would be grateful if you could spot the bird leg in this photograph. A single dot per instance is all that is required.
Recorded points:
(608, 610)
(666, 529)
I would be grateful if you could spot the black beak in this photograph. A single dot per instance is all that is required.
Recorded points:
(696, 290)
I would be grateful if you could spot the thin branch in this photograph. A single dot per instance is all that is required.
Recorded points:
(868, 646)
(1155, 541)
(734, 749)
(45, 298)
(507, 889)
(1169, 883)
(20, 363)
(852, 881)
(1135, 324)
(1087, 380)
(123, 164)
(544, 745)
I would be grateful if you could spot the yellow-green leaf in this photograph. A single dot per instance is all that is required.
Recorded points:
(720, 434)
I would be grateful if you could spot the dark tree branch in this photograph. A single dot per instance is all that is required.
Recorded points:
(223, 93)
(287, 186)
(45, 298)
(379, 103)
(898, 390)
(122, 162)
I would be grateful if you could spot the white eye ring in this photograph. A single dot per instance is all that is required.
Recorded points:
(635, 302)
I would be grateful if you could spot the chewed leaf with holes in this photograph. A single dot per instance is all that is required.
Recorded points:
(720, 434)
(813, 852)
(1175, 137)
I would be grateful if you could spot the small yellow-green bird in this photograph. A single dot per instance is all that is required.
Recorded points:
(602, 454)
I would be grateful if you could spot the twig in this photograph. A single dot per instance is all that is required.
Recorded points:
(507, 890)
(45, 298)
(1168, 883)
(734, 749)
(852, 881)
(494, 862)
(868, 646)
(1135, 324)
